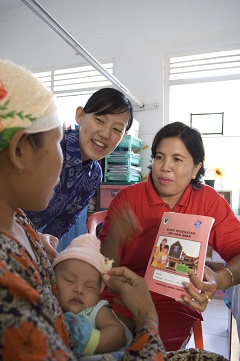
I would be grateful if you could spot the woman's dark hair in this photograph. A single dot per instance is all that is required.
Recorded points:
(192, 140)
(109, 101)
(161, 245)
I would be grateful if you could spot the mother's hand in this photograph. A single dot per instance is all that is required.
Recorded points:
(134, 293)
(50, 244)
(208, 287)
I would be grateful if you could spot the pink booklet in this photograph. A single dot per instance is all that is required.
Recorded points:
(180, 245)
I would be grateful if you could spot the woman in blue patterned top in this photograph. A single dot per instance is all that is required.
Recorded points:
(103, 122)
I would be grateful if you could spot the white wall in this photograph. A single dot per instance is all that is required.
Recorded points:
(137, 34)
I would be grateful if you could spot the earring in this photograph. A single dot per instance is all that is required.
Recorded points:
(19, 171)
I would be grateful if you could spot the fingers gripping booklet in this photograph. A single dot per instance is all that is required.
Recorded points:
(180, 245)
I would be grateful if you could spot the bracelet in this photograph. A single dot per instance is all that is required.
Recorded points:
(231, 274)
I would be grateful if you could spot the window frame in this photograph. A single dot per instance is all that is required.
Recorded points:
(52, 79)
(169, 82)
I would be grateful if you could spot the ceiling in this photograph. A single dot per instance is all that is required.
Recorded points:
(9, 4)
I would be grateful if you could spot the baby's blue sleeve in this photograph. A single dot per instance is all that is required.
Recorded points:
(80, 331)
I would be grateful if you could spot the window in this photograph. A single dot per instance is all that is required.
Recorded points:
(222, 64)
(203, 84)
(73, 87)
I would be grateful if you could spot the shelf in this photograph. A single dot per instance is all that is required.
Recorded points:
(121, 177)
(124, 164)
(130, 142)
(124, 158)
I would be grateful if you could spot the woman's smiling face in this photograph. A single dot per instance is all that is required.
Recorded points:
(100, 134)
(172, 169)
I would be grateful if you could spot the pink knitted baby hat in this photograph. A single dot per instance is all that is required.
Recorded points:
(86, 248)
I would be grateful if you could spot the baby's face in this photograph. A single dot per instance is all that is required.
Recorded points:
(79, 285)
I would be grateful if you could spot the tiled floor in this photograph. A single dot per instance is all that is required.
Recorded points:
(215, 328)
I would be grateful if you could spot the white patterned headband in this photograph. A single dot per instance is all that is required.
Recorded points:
(25, 103)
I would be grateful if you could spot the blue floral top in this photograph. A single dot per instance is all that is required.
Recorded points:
(78, 183)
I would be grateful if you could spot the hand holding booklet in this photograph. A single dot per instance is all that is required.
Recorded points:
(180, 245)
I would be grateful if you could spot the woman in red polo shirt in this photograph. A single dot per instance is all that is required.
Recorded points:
(174, 184)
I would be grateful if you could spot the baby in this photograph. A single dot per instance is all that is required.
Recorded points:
(94, 328)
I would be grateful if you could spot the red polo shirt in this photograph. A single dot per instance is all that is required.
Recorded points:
(175, 319)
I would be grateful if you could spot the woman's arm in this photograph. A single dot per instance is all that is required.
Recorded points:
(157, 254)
(225, 240)
(120, 227)
(222, 279)
(229, 275)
